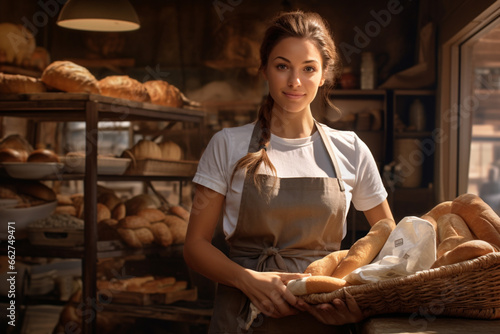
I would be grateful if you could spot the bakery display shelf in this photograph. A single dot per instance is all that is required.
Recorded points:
(185, 311)
(105, 249)
(73, 106)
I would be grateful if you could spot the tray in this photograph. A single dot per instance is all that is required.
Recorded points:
(469, 289)
(32, 170)
(55, 237)
(105, 165)
(162, 167)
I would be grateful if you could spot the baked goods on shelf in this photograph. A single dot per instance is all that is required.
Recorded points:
(67, 76)
(163, 93)
(12, 155)
(20, 84)
(123, 87)
(43, 155)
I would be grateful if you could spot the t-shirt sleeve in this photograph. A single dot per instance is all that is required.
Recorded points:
(368, 190)
(212, 169)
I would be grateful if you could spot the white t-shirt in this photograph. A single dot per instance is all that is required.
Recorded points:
(301, 157)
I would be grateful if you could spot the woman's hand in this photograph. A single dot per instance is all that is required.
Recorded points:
(267, 291)
(335, 313)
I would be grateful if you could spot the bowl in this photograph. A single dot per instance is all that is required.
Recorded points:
(32, 170)
(7, 203)
(20, 218)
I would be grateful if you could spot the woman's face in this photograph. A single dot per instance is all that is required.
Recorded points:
(294, 73)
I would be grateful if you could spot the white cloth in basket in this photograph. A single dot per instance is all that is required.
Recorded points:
(411, 247)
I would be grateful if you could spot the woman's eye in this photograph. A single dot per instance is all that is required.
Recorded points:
(310, 69)
(281, 67)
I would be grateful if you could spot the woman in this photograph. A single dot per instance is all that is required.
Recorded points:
(282, 186)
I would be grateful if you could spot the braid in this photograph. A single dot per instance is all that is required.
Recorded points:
(253, 160)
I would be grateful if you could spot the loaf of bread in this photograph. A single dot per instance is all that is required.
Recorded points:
(37, 190)
(20, 84)
(133, 222)
(123, 87)
(16, 142)
(365, 249)
(119, 212)
(451, 225)
(163, 93)
(69, 77)
(12, 155)
(479, 217)
(102, 212)
(66, 209)
(136, 238)
(163, 235)
(326, 265)
(433, 215)
(466, 251)
(43, 155)
(170, 150)
(178, 228)
(145, 149)
(315, 284)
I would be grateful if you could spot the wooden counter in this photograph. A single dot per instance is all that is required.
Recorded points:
(431, 325)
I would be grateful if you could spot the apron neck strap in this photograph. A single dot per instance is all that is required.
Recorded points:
(333, 159)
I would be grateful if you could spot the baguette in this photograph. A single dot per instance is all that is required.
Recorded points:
(364, 250)
(479, 217)
(315, 284)
(326, 265)
(465, 251)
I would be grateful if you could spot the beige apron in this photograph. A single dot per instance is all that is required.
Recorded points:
(301, 221)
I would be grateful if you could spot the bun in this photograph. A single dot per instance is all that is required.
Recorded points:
(43, 155)
(163, 93)
(20, 84)
(134, 222)
(326, 265)
(11, 155)
(16, 142)
(170, 151)
(179, 211)
(102, 212)
(162, 233)
(123, 87)
(364, 250)
(69, 77)
(152, 215)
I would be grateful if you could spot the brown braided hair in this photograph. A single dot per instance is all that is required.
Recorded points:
(297, 24)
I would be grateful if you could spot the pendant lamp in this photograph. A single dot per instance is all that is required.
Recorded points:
(98, 15)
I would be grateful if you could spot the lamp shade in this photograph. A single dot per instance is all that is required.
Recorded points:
(99, 15)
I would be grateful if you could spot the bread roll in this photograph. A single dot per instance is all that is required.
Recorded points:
(170, 151)
(69, 77)
(315, 284)
(119, 212)
(163, 93)
(326, 265)
(466, 251)
(16, 142)
(151, 214)
(179, 211)
(102, 212)
(178, 227)
(43, 155)
(479, 216)
(12, 155)
(146, 149)
(64, 200)
(20, 84)
(123, 87)
(66, 209)
(364, 250)
(129, 237)
(163, 235)
(134, 222)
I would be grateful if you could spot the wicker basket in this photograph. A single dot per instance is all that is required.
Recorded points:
(469, 289)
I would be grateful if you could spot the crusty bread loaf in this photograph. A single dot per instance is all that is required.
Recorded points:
(123, 87)
(326, 265)
(136, 238)
(43, 155)
(315, 284)
(16, 142)
(163, 93)
(449, 244)
(170, 150)
(119, 212)
(364, 250)
(65, 209)
(102, 212)
(20, 84)
(465, 251)
(450, 225)
(439, 210)
(69, 77)
(12, 155)
(479, 216)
